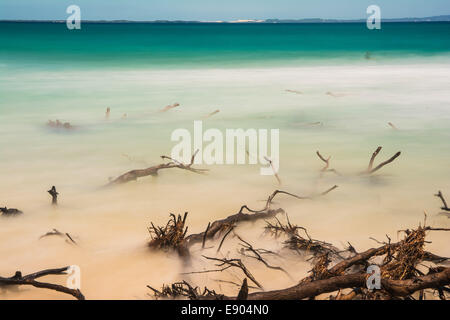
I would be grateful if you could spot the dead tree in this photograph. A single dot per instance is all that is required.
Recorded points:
(265, 213)
(18, 279)
(133, 175)
(400, 277)
(173, 235)
(54, 195)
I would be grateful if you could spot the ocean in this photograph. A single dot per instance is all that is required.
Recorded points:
(332, 88)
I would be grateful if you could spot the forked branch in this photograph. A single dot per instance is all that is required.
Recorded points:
(133, 175)
(30, 280)
(440, 196)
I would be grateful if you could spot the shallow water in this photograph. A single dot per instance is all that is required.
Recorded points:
(110, 225)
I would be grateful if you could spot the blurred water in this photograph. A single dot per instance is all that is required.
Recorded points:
(110, 224)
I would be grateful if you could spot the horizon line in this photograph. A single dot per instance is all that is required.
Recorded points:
(445, 18)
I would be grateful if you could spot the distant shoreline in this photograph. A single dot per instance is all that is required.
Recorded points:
(442, 18)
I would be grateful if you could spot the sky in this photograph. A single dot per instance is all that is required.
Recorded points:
(212, 10)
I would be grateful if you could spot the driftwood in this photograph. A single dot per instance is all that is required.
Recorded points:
(209, 115)
(10, 212)
(173, 235)
(54, 195)
(299, 243)
(59, 125)
(167, 108)
(247, 250)
(327, 164)
(265, 213)
(293, 91)
(184, 289)
(55, 232)
(133, 175)
(30, 280)
(392, 126)
(399, 276)
(440, 196)
(275, 173)
(395, 288)
(225, 264)
(370, 169)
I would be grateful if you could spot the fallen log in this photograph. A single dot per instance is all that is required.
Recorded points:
(397, 288)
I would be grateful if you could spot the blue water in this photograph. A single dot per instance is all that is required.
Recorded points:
(215, 45)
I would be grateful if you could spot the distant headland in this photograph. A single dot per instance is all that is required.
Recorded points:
(442, 18)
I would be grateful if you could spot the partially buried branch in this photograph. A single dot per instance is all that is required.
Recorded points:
(265, 213)
(173, 234)
(133, 175)
(370, 168)
(10, 211)
(19, 279)
(327, 164)
(58, 233)
(54, 195)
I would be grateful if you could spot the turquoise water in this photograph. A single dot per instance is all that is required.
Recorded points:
(214, 45)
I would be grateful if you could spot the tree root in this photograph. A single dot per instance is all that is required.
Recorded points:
(173, 235)
(399, 275)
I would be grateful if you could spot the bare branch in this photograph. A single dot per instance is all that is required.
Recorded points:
(30, 280)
